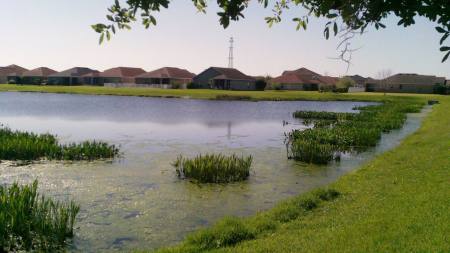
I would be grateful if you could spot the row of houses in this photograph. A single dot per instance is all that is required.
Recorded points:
(212, 78)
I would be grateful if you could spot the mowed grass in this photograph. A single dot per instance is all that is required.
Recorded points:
(203, 93)
(397, 202)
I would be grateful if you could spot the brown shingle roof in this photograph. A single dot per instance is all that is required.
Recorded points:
(168, 72)
(42, 71)
(231, 74)
(415, 79)
(74, 72)
(122, 72)
(12, 70)
(303, 76)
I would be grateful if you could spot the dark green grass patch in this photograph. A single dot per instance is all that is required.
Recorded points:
(214, 168)
(18, 145)
(30, 222)
(334, 133)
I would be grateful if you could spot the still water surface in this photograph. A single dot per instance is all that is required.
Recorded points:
(137, 201)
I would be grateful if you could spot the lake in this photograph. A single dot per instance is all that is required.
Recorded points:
(137, 201)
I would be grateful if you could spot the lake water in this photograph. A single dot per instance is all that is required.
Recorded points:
(137, 201)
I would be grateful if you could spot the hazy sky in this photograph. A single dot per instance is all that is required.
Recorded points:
(57, 34)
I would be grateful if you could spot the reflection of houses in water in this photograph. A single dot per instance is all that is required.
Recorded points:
(227, 124)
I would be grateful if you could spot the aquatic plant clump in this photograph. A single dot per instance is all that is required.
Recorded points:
(334, 133)
(214, 168)
(30, 222)
(17, 145)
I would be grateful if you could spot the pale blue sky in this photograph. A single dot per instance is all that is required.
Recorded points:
(57, 34)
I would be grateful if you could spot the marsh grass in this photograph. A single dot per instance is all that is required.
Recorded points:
(30, 222)
(18, 145)
(214, 168)
(334, 133)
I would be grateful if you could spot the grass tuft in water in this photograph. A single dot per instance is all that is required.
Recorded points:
(30, 222)
(214, 168)
(18, 145)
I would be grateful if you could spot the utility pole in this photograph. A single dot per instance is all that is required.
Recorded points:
(230, 54)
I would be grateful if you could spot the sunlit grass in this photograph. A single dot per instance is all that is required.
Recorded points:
(214, 168)
(334, 133)
(30, 222)
(18, 145)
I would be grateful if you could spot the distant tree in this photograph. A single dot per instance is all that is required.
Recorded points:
(345, 82)
(382, 75)
(346, 17)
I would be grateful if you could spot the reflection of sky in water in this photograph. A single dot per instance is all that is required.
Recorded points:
(138, 202)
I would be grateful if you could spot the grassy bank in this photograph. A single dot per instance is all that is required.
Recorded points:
(398, 202)
(201, 94)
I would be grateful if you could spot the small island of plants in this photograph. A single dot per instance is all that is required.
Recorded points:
(214, 168)
(335, 133)
(30, 222)
(18, 145)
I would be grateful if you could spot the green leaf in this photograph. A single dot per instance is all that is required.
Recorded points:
(327, 33)
(153, 20)
(445, 49)
(335, 29)
(108, 35)
(102, 37)
(446, 56)
(440, 29)
(444, 38)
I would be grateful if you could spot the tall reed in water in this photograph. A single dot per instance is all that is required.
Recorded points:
(334, 133)
(30, 222)
(214, 168)
(17, 145)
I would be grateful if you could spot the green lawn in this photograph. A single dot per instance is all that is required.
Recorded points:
(397, 202)
(197, 93)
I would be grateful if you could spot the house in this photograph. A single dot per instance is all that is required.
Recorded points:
(224, 79)
(120, 76)
(406, 83)
(302, 79)
(93, 78)
(360, 81)
(167, 77)
(11, 73)
(37, 76)
(73, 76)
